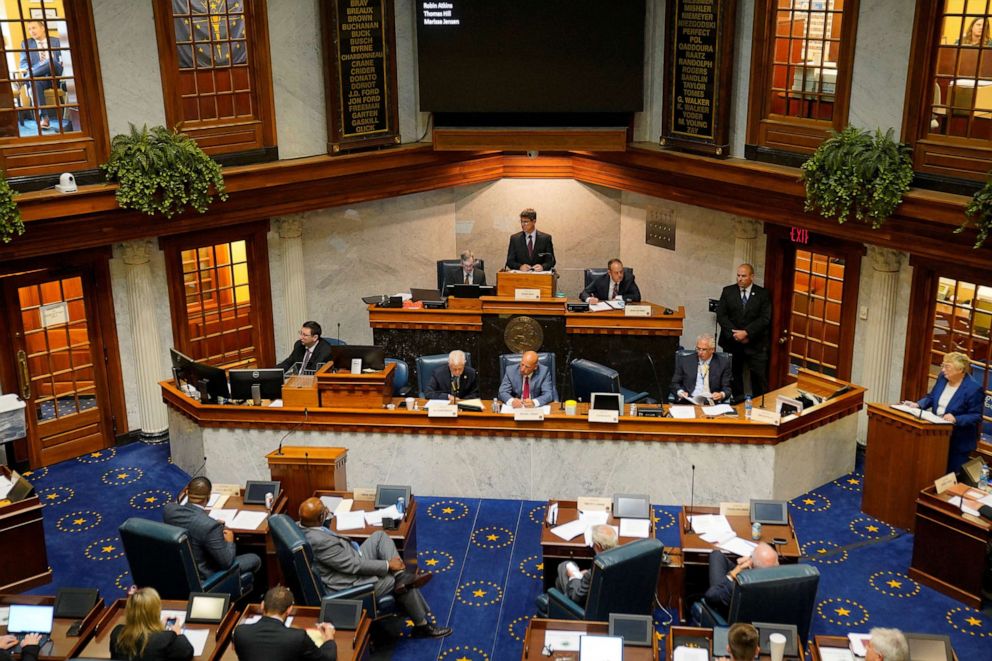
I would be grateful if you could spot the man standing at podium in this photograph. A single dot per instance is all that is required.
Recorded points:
(745, 317)
(529, 249)
(456, 380)
(308, 351)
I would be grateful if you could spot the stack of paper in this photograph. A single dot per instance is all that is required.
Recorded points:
(718, 409)
(197, 638)
(921, 413)
(738, 546)
(635, 528)
(248, 520)
(223, 515)
(858, 643)
(690, 654)
(835, 654)
(710, 523)
(350, 520)
(562, 641)
(571, 530)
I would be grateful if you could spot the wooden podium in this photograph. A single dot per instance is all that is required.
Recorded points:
(23, 558)
(301, 470)
(344, 390)
(904, 455)
(507, 282)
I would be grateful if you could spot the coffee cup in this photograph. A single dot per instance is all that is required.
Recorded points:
(776, 646)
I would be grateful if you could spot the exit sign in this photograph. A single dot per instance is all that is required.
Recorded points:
(799, 235)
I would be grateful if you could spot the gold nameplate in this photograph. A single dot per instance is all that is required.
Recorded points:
(363, 493)
(527, 294)
(637, 311)
(945, 482)
(598, 415)
(528, 415)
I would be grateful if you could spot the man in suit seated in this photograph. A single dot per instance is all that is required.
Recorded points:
(309, 351)
(212, 543)
(341, 563)
(456, 380)
(269, 639)
(613, 284)
(723, 574)
(529, 385)
(530, 250)
(572, 581)
(466, 274)
(703, 374)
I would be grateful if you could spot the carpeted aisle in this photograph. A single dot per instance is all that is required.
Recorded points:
(485, 556)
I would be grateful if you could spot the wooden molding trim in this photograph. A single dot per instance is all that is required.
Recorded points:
(527, 139)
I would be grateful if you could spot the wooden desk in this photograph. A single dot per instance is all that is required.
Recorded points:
(555, 550)
(949, 548)
(23, 555)
(352, 645)
(96, 643)
(340, 389)
(61, 646)
(833, 641)
(536, 628)
(405, 537)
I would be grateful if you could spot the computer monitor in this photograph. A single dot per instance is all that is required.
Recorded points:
(929, 647)
(269, 382)
(606, 401)
(766, 629)
(426, 295)
(387, 494)
(634, 629)
(631, 506)
(460, 290)
(255, 491)
(774, 512)
(75, 603)
(373, 357)
(30, 618)
(344, 614)
(181, 366)
(207, 607)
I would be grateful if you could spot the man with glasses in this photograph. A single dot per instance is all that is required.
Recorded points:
(308, 351)
(529, 249)
(468, 273)
(703, 374)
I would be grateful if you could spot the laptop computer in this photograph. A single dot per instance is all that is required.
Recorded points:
(30, 618)
(429, 297)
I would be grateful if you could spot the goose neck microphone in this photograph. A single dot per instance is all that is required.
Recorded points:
(692, 494)
(306, 415)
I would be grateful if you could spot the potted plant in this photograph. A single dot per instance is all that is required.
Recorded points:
(855, 172)
(11, 224)
(979, 213)
(159, 171)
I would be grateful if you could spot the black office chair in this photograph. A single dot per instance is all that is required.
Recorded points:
(445, 264)
(401, 377)
(426, 366)
(333, 341)
(681, 353)
(592, 274)
(589, 377)
(544, 358)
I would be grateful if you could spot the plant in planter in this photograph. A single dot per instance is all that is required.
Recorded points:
(979, 213)
(11, 224)
(855, 172)
(159, 171)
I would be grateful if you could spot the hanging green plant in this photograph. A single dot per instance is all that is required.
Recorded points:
(979, 213)
(855, 172)
(11, 224)
(159, 171)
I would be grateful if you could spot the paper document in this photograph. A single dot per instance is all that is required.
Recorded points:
(717, 538)
(571, 530)
(255, 618)
(739, 546)
(963, 506)
(4, 615)
(719, 409)
(835, 654)
(344, 506)
(197, 638)
(546, 409)
(921, 414)
(315, 636)
(562, 641)
(703, 523)
(248, 520)
(858, 643)
(987, 500)
(699, 400)
(375, 518)
(5, 486)
(431, 403)
(635, 528)
(331, 502)
(690, 654)
(350, 520)
(594, 518)
(275, 403)
(222, 514)
(680, 412)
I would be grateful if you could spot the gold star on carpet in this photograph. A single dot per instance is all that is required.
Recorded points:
(492, 538)
(809, 501)
(95, 455)
(659, 635)
(122, 476)
(151, 499)
(843, 612)
(479, 593)
(463, 658)
(52, 496)
(448, 510)
(974, 621)
(27, 473)
(409, 623)
(895, 584)
(853, 480)
(108, 549)
(540, 565)
(872, 528)
(821, 551)
(431, 562)
(78, 522)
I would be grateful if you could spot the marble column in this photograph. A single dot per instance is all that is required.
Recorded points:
(745, 238)
(146, 349)
(294, 275)
(885, 265)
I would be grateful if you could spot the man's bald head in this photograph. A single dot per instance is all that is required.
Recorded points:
(764, 556)
(312, 513)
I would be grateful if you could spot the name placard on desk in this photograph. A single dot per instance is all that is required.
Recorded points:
(766, 417)
(442, 411)
(594, 504)
(521, 294)
(363, 493)
(528, 415)
(598, 415)
(637, 311)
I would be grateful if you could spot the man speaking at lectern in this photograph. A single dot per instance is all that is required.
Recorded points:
(529, 249)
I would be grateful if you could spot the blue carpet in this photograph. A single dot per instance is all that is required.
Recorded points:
(485, 555)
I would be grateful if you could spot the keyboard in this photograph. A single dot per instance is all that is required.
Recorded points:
(45, 639)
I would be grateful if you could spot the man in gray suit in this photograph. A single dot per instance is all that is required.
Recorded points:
(529, 385)
(705, 373)
(212, 543)
(341, 563)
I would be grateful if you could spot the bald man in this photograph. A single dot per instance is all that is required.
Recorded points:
(528, 385)
(724, 572)
(745, 317)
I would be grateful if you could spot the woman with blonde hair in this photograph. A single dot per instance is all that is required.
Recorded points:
(957, 398)
(143, 637)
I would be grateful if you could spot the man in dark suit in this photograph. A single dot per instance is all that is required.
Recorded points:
(341, 563)
(572, 581)
(528, 385)
(704, 373)
(212, 543)
(723, 574)
(615, 283)
(269, 639)
(745, 317)
(41, 60)
(529, 249)
(456, 380)
(466, 274)
(309, 351)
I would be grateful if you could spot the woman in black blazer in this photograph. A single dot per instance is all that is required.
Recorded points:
(143, 637)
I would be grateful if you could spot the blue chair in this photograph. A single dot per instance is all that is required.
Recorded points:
(426, 366)
(160, 556)
(624, 580)
(333, 341)
(401, 377)
(785, 595)
(545, 359)
(589, 377)
(296, 560)
(592, 274)
(445, 264)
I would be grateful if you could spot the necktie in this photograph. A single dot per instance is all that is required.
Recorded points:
(613, 290)
(743, 297)
(468, 278)
(526, 393)
(306, 359)
(454, 386)
(530, 245)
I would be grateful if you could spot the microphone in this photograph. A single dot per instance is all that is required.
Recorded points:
(202, 466)
(306, 415)
(692, 493)
(454, 386)
(571, 386)
(339, 333)
(306, 462)
(654, 371)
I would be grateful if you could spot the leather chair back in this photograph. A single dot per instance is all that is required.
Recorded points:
(545, 359)
(296, 560)
(785, 594)
(444, 264)
(592, 274)
(589, 377)
(401, 375)
(160, 556)
(426, 366)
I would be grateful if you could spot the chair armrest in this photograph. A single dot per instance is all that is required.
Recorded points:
(631, 397)
(561, 607)
(708, 617)
(225, 581)
(365, 592)
(405, 391)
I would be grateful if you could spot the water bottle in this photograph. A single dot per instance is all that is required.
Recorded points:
(756, 531)
(983, 480)
(400, 505)
(747, 407)
(496, 406)
(633, 410)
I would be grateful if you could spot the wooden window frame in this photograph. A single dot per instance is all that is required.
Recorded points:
(769, 133)
(938, 157)
(254, 140)
(255, 236)
(74, 151)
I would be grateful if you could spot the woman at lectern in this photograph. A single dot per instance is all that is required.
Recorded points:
(956, 397)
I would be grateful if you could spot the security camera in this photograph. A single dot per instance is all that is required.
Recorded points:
(67, 183)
